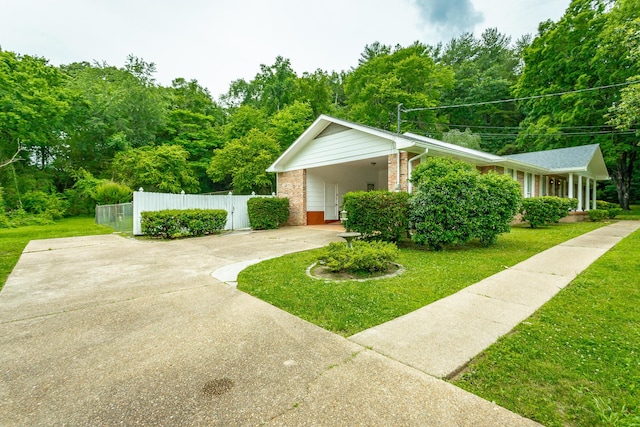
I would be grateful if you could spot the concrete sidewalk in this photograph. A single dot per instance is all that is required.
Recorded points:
(443, 337)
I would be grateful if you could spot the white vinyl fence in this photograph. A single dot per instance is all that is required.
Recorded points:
(236, 206)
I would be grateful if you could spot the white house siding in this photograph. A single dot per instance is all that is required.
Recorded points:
(342, 147)
(315, 191)
(321, 184)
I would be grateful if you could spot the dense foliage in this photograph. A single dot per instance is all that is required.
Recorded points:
(61, 124)
(377, 215)
(172, 224)
(267, 213)
(545, 210)
(454, 203)
(362, 257)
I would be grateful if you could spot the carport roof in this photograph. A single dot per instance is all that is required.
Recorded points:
(401, 142)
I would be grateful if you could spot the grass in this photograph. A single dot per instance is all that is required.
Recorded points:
(633, 214)
(577, 360)
(350, 307)
(14, 240)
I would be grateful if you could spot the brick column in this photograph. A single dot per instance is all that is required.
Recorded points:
(392, 171)
(293, 185)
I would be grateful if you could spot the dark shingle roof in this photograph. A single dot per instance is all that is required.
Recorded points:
(560, 158)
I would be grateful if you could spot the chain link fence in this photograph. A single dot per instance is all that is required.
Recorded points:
(119, 217)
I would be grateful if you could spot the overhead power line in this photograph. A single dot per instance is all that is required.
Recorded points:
(620, 132)
(453, 125)
(526, 98)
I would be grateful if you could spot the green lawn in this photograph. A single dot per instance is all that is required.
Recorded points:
(14, 240)
(350, 307)
(633, 214)
(577, 360)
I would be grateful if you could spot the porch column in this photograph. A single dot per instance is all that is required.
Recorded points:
(580, 193)
(547, 187)
(594, 204)
(571, 195)
(541, 186)
(587, 195)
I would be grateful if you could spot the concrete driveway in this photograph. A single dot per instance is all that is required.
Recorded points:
(105, 330)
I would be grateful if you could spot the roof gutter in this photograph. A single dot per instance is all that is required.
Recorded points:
(409, 186)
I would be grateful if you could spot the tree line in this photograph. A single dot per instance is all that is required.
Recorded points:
(65, 129)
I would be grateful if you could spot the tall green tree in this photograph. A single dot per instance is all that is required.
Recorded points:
(270, 90)
(193, 121)
(583, 50)
(316, 89)
(114, 109)
(407, 76)
(163, 168)
(242, 163)
(33, 105)
(485, 70)
(625, 115)
(290, 122)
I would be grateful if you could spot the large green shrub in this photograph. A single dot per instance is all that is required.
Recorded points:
(362, 257)
(171, 224)
(454, 203)
(441, 208)
(267, 213)
(377, 215)
(538, 211)
(597, 215)
(498, 199)
(88, 191)
(613, 209)
(21, 218)
(40, 203)
(109, 193)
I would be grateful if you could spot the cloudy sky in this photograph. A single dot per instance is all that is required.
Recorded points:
(216, 42)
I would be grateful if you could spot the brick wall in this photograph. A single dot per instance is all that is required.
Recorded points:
(486, 169)
(294, 186)
(392, 171)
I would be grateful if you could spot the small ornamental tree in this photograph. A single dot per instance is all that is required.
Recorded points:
(377, 215)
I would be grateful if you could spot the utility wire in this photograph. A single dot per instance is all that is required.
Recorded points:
(473, 104)
(452, 125)
(623, 132)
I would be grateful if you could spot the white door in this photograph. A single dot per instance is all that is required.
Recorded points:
(331, 202)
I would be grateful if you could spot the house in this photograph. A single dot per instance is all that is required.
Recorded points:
(335, 156)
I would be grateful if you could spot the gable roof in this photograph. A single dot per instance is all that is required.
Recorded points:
(327, 127)
(329, 140)
(583, 158)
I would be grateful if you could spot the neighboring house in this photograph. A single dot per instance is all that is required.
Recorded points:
(334, 156)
